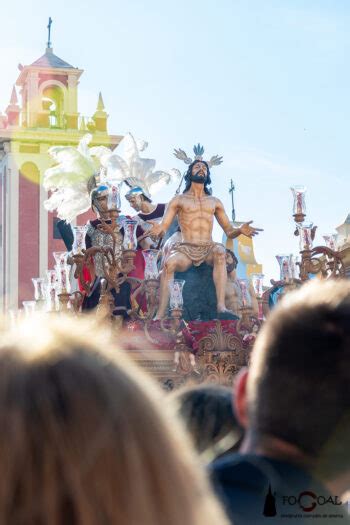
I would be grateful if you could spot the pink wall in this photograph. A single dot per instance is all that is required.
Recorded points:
(85, 217)
(3, 222)
(28, 232)
(54, 245)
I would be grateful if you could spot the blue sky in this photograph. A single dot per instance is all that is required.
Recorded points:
(263, 83)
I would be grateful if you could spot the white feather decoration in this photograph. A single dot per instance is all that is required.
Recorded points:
(68, 179)
(136, 170)
(74, 167)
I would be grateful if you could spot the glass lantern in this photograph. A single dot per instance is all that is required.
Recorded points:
(299, 206)
(285, 267)
(62, 272)
(14, 316)
(130, 240)
(151, 267)
(51, 290)
(113, 199)
(258, 282)
(79, 245)
(29, 308)
(258, 285)
(176, 298)
(331, 241)
(246, 300)
(293, 266)
(60, 258)
(305, 236)
(39, 288)
(63, 282)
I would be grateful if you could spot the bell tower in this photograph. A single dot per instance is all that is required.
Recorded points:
(43, 110)
(49, 93)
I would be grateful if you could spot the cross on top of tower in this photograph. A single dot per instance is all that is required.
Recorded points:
(49, 33)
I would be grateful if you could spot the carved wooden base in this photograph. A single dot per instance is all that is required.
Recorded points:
(161, 365)
(222, 351)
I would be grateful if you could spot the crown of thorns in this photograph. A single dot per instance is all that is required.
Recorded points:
(198, 152)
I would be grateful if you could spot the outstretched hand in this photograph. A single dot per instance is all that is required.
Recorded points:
(156, 231)
(249, 231)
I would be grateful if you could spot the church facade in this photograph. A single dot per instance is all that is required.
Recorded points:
(45, 114)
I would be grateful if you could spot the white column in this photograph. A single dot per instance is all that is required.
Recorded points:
(72, 100)
(33, 97)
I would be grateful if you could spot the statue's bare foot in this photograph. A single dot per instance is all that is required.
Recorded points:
(224, 310)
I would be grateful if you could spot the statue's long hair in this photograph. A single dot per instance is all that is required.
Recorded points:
(188, 181)
(233, 265)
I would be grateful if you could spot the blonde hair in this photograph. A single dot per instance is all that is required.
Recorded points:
(83, 439)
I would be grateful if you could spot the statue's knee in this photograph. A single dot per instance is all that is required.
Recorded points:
(169, 266)
(220, 254)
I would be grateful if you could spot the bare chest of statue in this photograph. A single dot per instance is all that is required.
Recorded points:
(195, 216)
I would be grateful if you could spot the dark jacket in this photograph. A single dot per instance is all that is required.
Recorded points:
(259, 490)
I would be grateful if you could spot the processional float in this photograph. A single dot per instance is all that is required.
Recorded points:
(173, 349)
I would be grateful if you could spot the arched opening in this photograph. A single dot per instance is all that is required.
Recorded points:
(30, 171)
(52, 101)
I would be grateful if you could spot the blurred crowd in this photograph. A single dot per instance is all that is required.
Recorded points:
(87, 438)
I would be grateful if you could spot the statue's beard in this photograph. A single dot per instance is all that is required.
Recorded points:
(198, 178)
(230, 267)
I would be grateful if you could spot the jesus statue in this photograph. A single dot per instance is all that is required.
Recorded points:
(195, 210)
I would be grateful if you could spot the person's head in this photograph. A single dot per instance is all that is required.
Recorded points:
(99, 200)
(231, 261)
(136, 198)
(297, 389)
(207, 412)
(83, 438)
(198, 171)
(105, 201)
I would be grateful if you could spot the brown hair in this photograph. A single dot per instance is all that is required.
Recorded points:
(298, 386)
(83, 439)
